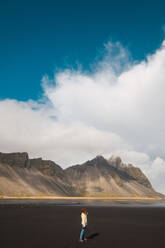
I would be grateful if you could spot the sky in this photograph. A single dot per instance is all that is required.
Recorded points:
(82, 78)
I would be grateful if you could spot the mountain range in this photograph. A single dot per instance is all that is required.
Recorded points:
(99, 177)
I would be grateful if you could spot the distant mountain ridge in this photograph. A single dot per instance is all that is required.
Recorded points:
(21, 176)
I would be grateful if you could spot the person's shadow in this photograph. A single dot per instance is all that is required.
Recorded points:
(92, 236)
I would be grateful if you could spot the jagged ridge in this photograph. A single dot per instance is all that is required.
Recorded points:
(21, 176)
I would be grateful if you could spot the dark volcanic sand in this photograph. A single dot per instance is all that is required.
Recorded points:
(47, 226)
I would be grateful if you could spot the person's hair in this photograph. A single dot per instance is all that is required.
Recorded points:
(84, 211)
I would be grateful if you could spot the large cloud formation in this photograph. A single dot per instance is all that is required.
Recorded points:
(116, 108)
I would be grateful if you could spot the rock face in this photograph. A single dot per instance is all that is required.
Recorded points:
(99, 177)
(15, 159)
(21, 176)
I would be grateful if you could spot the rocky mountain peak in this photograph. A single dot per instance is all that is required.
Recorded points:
(18, 159)
(116, 162)
(98, 159)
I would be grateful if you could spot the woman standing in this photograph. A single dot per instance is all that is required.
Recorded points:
(83, 224)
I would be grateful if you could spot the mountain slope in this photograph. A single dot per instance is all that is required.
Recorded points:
(21, 176)
(99, 177)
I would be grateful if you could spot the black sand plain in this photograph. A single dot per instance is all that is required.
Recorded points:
(58, 226)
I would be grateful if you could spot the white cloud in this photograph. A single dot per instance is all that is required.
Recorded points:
(35, 131)
(116, 108)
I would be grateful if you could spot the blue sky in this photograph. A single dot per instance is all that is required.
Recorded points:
(89, 109)
(40, 37)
